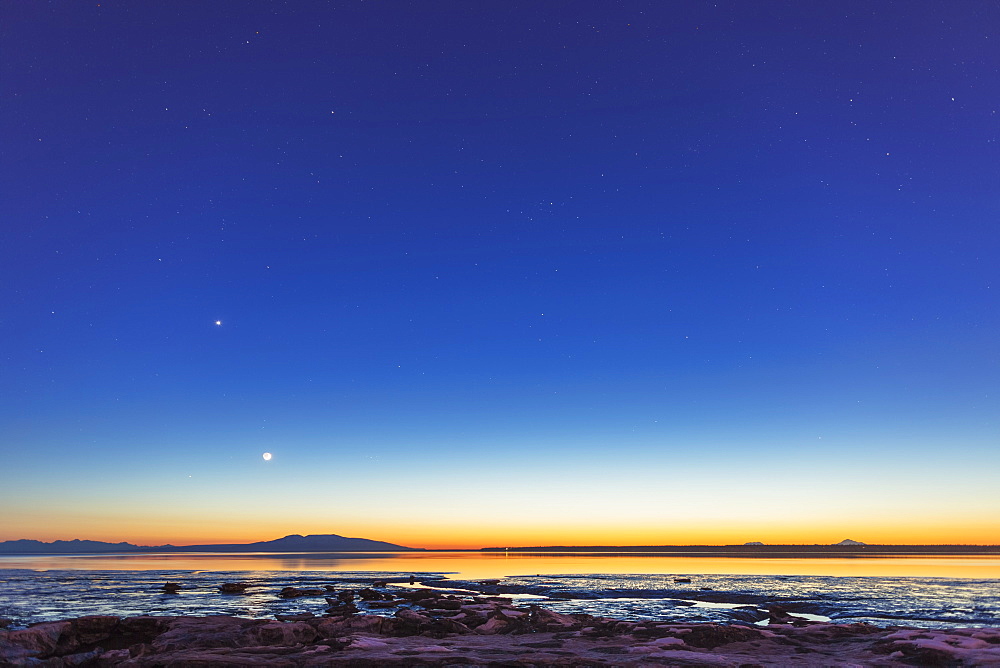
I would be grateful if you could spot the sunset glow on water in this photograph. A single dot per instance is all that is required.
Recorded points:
(495, 565)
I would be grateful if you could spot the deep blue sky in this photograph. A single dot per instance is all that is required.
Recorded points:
(561, 249)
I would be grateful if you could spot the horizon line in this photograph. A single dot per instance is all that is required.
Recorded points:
(750, 544)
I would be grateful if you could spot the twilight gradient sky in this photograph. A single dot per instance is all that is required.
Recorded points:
(500, 273)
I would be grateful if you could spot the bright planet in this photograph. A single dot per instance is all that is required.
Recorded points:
(266, 456)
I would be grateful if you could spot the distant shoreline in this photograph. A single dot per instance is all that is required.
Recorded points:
(761, 550)
(739, 551)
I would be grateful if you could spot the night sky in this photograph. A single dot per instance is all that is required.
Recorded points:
(500, 273)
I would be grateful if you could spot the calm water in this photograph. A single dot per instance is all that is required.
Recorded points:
(914, 591)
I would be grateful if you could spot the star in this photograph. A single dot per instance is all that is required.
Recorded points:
(218, 322)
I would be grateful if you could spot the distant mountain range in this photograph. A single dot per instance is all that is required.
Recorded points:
(758, 549)
(75, 545)
(294, 543)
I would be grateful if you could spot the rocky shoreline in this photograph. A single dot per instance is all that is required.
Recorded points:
(426, 627)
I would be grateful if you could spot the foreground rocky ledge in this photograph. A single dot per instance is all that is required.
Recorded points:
(481, 631)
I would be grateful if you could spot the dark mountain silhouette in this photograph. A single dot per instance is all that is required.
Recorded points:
(329, 542)
(294, 543)
(75, 545)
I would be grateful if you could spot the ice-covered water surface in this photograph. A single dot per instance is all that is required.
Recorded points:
(28, 596)
(930, 602)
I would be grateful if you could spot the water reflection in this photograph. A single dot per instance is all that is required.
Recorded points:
(472, 565)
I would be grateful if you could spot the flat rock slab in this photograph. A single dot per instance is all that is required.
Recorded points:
(532, 637)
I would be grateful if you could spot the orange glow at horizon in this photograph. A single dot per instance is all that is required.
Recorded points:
(142, 531)
(497, 506)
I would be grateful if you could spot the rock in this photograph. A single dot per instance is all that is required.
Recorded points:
(648, 630)
(599, 628)
(35, 641)
(367, 594)
(383, 604)
(295, 592)
(778, 615)
(680, 580)
(412, 638)
(345, 596)
(171, 588)
(408, 615)
(338, 628)
(418, 594)
(142, 629)
(508, 613)
(449, 625)
(439, 604)
(410, 622)
(299, 617)
(81, 658)
(548, 620)
(284, 634)
(341, 609)
(367, 643)
(493, 626)
(234, 587)
(185, 633)
(748, 614)
(113, 657)
(86, 631)
(710, 636)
